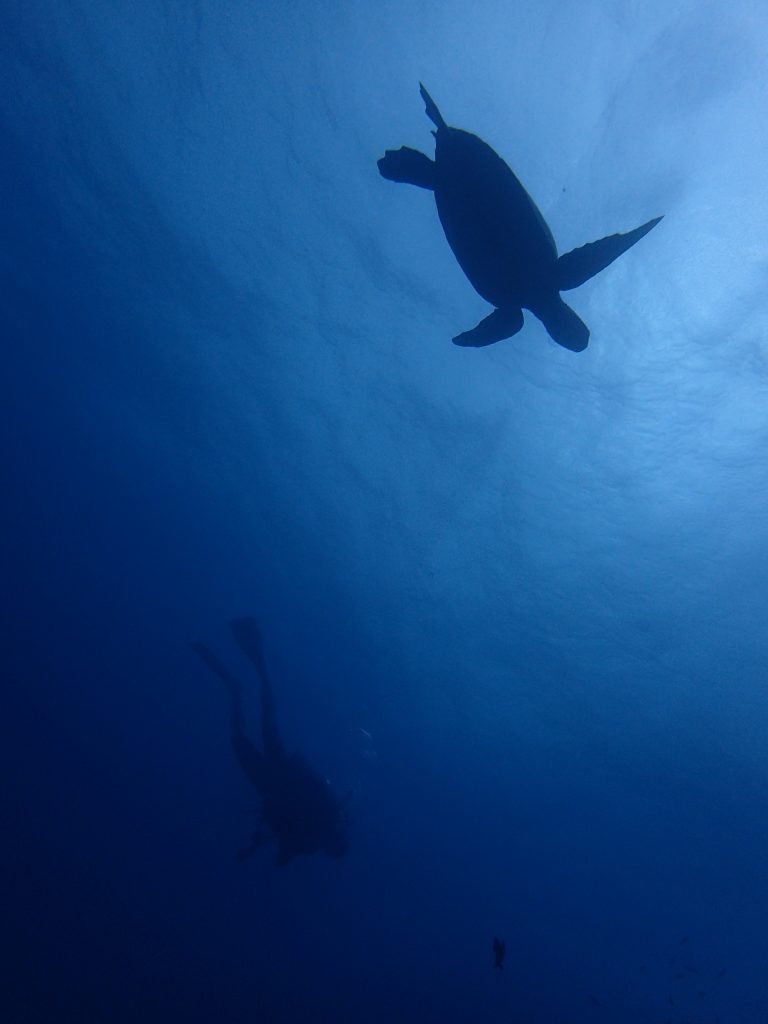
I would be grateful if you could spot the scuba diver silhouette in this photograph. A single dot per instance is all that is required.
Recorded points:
(299, 807)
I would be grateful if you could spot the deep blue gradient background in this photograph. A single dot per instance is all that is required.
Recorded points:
(514, 598)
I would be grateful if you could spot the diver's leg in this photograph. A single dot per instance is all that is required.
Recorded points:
(246, 633)
(250, 759)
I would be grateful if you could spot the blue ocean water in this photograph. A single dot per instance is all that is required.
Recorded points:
(514, 599)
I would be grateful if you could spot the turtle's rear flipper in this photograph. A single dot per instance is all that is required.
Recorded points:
(409, 166)
(501, 324)
(578, 265)
(563, 325)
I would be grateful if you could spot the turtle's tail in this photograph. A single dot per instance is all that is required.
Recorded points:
(432, 112)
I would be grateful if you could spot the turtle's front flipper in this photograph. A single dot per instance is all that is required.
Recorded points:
(501, 324)
(409, 166)
(577, 266)
(433, 113)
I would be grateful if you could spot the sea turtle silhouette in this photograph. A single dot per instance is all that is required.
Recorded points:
(500, 238)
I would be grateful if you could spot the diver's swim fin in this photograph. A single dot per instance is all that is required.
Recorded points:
(248, 638)
(578, 265)
(409, 166)
(498, 325)
(207, 656)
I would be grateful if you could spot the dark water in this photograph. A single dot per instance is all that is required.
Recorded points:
(514, 598)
